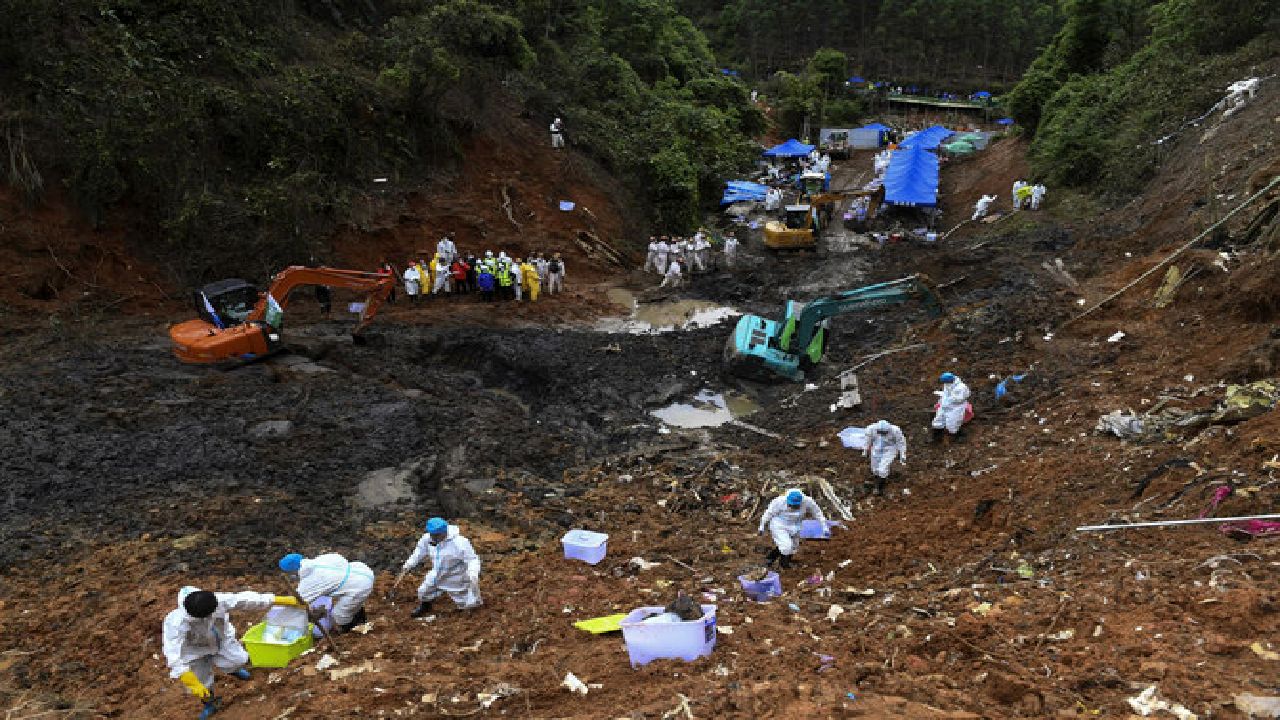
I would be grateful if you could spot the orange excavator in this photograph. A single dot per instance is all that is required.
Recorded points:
(238, 322)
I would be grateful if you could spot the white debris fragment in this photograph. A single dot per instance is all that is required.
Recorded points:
(1116, 337)
(326, 662)
(640, 563)
(575, 685)
(834, 612)
(1146, 702)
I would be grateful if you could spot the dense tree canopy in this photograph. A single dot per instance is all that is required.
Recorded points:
(1121, 74)
(252, 124)
(935, 41)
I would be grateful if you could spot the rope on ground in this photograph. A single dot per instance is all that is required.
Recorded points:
(1187, 246)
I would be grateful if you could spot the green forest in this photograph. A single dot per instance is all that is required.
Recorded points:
(953, 44)
(244, 123)
(1123, 74)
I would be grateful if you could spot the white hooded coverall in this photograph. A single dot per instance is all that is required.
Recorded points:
(885, 447)
(651, 260)
(663, 250)
(201, 644)
(981, 207)
(455, 569)
(348, 583)
(950, 415)
(784, 521)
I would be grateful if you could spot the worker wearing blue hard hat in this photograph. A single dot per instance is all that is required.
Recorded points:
(455, 567)
(783, 519)
(953, 408)
(348, 584)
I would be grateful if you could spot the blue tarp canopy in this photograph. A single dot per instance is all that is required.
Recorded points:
(789, 149)
(912, 178)
(982, 94)
(929, 138)
(739, 190)
(1005, 121)
(857, 79)
(875, 126)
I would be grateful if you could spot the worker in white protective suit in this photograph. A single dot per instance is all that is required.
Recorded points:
(951, 405)
(1037, 195)
(347, 583)
(885, 443)
(980, 208)
(672, 278)
(199, 637)
(730, 249)
(783, 518)
(663, 256)
(1017, 201)
(651, 260)
(455, 567)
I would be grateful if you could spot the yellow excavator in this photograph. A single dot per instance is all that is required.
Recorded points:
(802, 224)
(239, 323)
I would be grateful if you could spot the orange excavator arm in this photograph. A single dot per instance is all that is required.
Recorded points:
(202, 342)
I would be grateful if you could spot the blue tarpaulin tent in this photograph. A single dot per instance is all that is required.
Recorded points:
(912, 178)
(875, 126)
(857, 80)
(929, 138)
(789, 149)
(739, 190)
(982, 94)
(1005, 121)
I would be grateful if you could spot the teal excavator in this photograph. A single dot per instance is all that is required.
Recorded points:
(765, 349)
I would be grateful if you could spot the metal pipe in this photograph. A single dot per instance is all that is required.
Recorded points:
(1166, 523)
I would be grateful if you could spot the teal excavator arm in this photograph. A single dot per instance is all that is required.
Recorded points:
(765, 348)
(800, 330)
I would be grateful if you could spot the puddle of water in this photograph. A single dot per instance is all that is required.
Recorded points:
(707, 409)
(662, 316)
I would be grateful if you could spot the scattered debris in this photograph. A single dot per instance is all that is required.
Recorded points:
(1258, 706)
(496, 693)
(1122, 425)
(1262, 652)
(326, 662)
(640, 564)
(574, 685)
(834, 612)
(364, 667)
(1146, 703)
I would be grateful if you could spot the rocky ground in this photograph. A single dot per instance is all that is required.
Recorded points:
(963, 592)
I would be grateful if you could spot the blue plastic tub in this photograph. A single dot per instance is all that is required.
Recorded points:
(681, 640)
(811, 529)
(762, 590)
(589, 547)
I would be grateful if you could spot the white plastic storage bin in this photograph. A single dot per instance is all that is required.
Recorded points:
(584, 545)
(685, 640)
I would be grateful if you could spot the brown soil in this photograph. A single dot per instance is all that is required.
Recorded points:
(987, 602)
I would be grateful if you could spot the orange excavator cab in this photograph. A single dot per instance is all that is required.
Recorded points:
(239, 323)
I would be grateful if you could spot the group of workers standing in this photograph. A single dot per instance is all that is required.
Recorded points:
(1025, 197)
(501, 276)
(884, 443)
(198, 637)
(670, 257)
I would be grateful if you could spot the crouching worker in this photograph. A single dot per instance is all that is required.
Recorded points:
(348, 584)
(455, 567)
(783, 518)
(199, 637)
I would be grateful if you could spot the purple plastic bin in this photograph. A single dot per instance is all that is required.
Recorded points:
(687, 640)
(811, 529)
(762, 590)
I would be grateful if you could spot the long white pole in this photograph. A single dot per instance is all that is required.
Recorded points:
(1166, 523)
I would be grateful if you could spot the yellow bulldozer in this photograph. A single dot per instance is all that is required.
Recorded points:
(802, 224)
